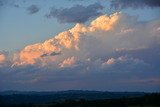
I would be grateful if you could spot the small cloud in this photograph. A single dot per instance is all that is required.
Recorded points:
(55, 53)
(69, 62)
(51, 54)
(33, 9)
(76, 14)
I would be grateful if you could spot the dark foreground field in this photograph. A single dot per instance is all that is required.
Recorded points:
(79, 99)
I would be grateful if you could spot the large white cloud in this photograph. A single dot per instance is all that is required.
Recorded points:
(68, 42)
(98, 40)
(109, 45)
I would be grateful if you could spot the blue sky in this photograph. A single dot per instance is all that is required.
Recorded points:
(109, 45)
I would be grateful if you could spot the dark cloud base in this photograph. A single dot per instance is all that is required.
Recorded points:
(76, 14)
(120, 4)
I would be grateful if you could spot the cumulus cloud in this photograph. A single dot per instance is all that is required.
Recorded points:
(68, 42)
(104, 37)
(125, 64)
(69, 62)
(120, 4)
(112, 49)
(148, 54)
(33, 9)
(76, 14)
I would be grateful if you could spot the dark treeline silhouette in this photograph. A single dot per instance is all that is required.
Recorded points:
(69, 100)
(148, 100)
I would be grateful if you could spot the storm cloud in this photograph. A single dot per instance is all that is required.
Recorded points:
(76, 14)
(120, 4)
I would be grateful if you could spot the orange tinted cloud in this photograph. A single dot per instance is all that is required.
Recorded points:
(65, 40)
(2, 58)
(69, 62)
(100, 38)
(105, 22)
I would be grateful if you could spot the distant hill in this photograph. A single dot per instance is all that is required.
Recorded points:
(76, 93)
(26, 97)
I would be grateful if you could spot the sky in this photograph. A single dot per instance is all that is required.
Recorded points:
(105, 45)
